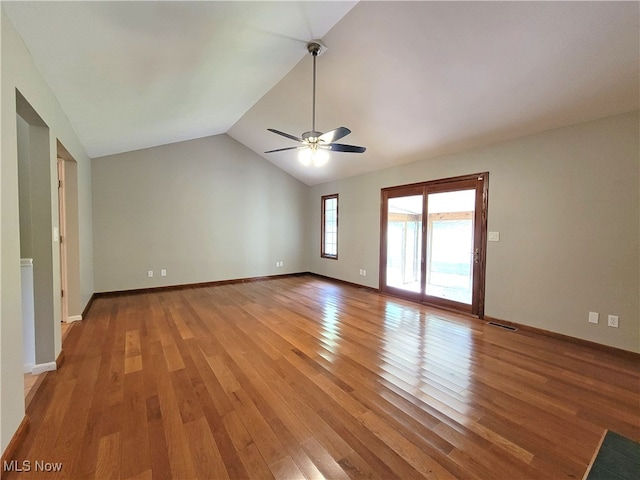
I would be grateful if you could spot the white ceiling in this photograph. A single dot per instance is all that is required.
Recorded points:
(412, 80)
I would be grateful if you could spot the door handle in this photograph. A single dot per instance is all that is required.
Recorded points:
(476, 256)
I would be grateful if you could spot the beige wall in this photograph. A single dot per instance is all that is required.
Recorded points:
(24, 188)
(205, 210)
(566, 204)
(18, 71)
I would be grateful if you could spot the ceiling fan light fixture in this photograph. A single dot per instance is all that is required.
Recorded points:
(316, 157)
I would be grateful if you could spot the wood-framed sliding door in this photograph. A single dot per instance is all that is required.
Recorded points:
(433, 242)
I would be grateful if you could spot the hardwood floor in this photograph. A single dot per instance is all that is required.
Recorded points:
(30, 380)
(303, 378)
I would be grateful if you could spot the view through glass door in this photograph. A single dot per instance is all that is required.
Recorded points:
(450, 246)
(433, 241)
(404, 243)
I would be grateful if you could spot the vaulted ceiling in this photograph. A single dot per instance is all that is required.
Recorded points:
(412, 80)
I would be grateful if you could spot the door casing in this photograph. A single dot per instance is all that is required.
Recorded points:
(477, 181)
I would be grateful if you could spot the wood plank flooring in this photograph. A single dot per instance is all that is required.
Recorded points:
(300, 377)
(31, 380)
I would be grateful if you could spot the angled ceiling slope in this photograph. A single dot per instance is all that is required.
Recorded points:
(131, 75)
(412, 80)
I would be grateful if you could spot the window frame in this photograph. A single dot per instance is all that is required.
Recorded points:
(323, 203)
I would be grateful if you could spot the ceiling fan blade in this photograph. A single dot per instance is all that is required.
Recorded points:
(339, 147)
(334, 135)
(285, 134)
(287, 148)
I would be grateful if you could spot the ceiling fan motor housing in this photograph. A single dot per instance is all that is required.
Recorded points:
(311, 136)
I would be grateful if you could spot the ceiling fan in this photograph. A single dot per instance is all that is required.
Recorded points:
(315, 146)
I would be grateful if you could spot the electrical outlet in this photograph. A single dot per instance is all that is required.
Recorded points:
(613, 321)
(150, 273)
(593, 317)
(163, 273)
(280, 264)
(364, 273)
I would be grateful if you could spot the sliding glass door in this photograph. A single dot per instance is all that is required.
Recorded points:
(433, 241)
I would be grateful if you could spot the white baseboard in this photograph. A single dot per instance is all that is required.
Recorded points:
(27, 367)
(39, 368)
(74, 318)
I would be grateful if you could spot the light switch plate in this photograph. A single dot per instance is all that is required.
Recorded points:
(494, 236)
(593, 317)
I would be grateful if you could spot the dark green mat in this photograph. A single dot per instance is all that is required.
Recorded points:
(617, 459)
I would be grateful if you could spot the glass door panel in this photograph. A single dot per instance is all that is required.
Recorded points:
(450, 245)
(404, 243)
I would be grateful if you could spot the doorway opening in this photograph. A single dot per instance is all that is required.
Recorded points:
(69, 236)
(433, 242)
(36, 237)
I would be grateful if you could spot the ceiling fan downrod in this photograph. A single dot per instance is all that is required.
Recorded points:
(315, 49)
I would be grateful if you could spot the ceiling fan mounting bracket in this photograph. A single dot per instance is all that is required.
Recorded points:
(316, 47)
